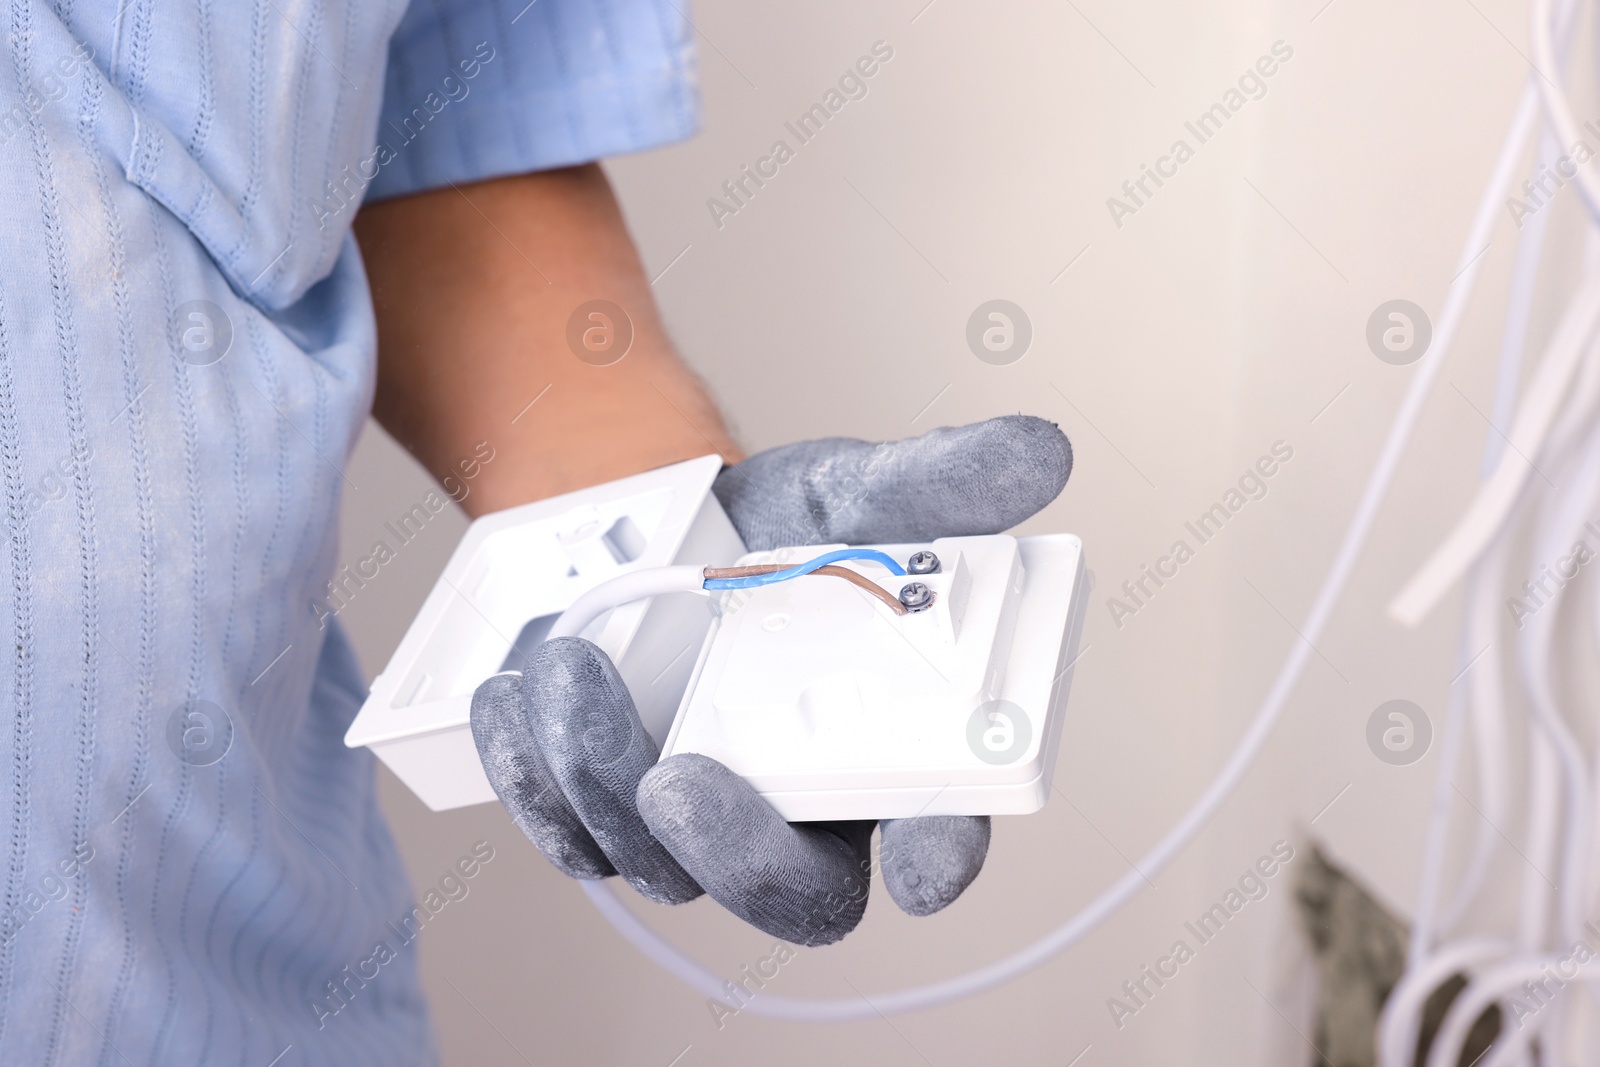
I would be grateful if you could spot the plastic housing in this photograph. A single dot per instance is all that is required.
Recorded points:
(514, 572)
(834, 707)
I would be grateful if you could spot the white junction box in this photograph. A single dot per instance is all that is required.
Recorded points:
(514, 572)
(823, 697)
(834, 707)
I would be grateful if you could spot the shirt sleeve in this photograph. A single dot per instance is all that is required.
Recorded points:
(477, 89)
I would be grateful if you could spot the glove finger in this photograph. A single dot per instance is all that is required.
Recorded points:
(524, 784)
(589, 733)
(950, 482)
(803, 883)
(928, 862)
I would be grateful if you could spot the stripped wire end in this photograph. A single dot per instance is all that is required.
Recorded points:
(756, 575)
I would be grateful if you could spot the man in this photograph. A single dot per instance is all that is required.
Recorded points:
(196, 869)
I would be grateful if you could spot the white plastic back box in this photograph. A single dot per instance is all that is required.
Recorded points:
(512, 574)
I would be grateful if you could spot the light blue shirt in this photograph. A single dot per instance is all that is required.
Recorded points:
(195, 868)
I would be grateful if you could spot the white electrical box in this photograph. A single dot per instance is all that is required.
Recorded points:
(829, 702)
(514, 572)
(835, 707)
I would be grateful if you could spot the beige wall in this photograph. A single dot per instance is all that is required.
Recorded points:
(1220, 318)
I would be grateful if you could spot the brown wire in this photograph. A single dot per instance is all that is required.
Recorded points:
(831, 571)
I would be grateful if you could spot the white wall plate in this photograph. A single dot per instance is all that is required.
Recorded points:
(833, 707)
(512, 574)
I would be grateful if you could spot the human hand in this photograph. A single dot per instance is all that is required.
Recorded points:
(565, 751)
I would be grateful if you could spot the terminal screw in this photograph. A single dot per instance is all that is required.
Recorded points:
(916, 596)
(923, 562)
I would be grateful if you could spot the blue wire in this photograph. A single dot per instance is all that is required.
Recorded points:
(756, 580)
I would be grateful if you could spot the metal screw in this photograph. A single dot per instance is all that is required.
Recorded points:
(916, 596)
(923, 562)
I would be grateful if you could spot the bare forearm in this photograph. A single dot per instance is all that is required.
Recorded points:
(474, 289)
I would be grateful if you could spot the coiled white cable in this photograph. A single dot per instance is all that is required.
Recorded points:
(1403, 1010)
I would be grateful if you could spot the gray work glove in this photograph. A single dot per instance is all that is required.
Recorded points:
(565, 751)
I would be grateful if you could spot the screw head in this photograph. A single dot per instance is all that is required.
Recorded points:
(923, 562)
(916, 596)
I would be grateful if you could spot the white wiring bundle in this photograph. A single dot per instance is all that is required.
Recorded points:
(1541, 481)
(1555, 435)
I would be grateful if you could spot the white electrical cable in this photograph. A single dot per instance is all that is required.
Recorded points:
(1428, 965)
(1481, 696)
(625, 589)
(1556, 765)
(1473, 701)
(1546, 777)
(1574, 461)
(1564, 520)
(1402, 1011)
(1466, 702)
(1558, 109)
(1494, 502)
(1167, 848)
(1485, 989)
